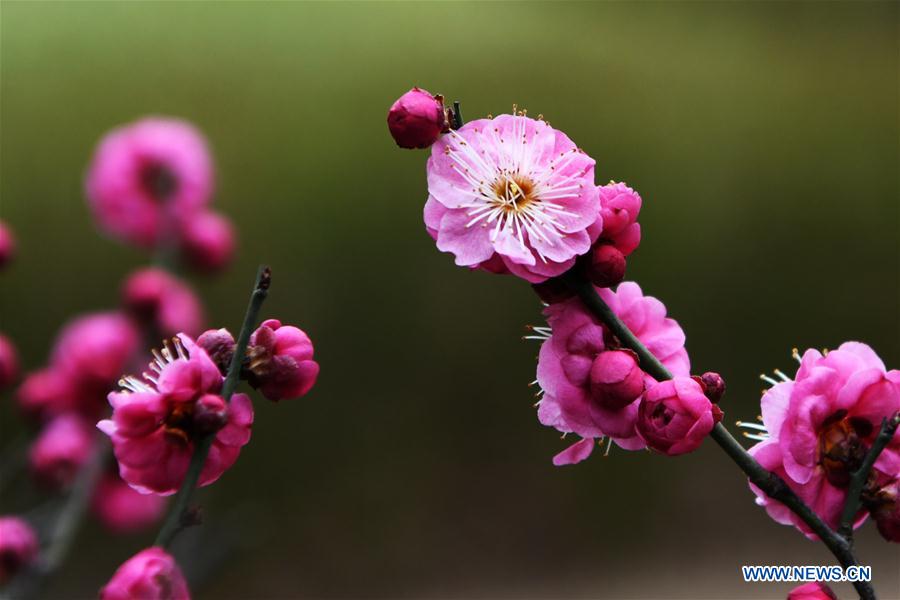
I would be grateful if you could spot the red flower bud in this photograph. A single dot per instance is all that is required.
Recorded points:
(616, 380)
(417, 119)
(605, 265)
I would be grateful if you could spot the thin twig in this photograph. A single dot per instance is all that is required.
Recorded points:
(176, 518)
(768, 482)
(859, 477)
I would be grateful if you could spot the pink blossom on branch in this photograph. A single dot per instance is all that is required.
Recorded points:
(18, 547)
(675, 416)
(7, 245)
(512, 195)
(60, 450)
(577, 397)
(207, 241)
(617, 225)
(163, 301)
(818, 427)
(157, 421)
(151, 574)
(145, 174)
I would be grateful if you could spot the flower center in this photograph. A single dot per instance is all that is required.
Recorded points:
(158, 181)
(179, 422)
(514, 194)
(841, 449)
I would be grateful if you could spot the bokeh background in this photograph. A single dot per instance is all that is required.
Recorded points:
(762, 136)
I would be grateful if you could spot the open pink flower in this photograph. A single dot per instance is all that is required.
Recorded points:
(18, 546)
(156, 297)
(60, 450)
(151, 574)
(46, 393)
(675, 416)
(207, 240)
(511, 194)
(9, 362)
(575, 342)
(147, 173)
(156, 422)
(619, 208)
(818, 427)
(123, 510)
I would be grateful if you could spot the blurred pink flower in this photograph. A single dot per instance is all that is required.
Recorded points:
(7, 245)
(281, 361)
(511, 194)
(207, 240)
(619, 208)
(811, 591)
(818, 427)
(123, 510)
(151, 574)
(574, 342)
(170, 305)
(18, 546)
(46, 393)
(156, 421)
(63, 446)
(9, 362)
(675, 416)
(417, 119)
(145, 173)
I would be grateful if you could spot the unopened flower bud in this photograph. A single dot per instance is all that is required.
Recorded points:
(280, 361)
(167, 303)
(219, 345)
(675, 415)
(210, 414)
(417, 119)
(208, 241)
(713, 386)
(18, 546)
(814, 590)
(885, 509)
(553, 290)
(7, 245)
(151, 573)
(60, 450)
(616, 380)
(605, 265)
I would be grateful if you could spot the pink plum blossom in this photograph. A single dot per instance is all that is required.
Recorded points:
(123, 510)
(417, 119)
(9, 362)
(207, 241)
(617, 225)
(151, 574)
(18, 546)
(157, 421)
(7, 245)
(61, 449)
(46, 393)
(675, 416)
(575, 341)
(811, 591)
(512, 195)
(145, 174)
(164, 301)
(817, 428)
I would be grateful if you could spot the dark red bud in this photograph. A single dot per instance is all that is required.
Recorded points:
(210, 414)
(713, 385)
(605, 266)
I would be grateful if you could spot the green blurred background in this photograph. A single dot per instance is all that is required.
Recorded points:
(762, 136)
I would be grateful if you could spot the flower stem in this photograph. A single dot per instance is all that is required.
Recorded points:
(178, 516)
(859, 478)
(768, 482)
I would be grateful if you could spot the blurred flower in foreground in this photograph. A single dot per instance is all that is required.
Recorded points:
(675, 416)
(165, 302)
(601, 401)
(9, 362)
(18, 546)
(511, 195)
(884, 503)
(812, 591)
(207, 241)
(151, 574)
(817, 428)
(417, 119)
(7, 245)
(279, 358)
(60, 450)
(148, 173)
(123, 510)
(157, 420)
